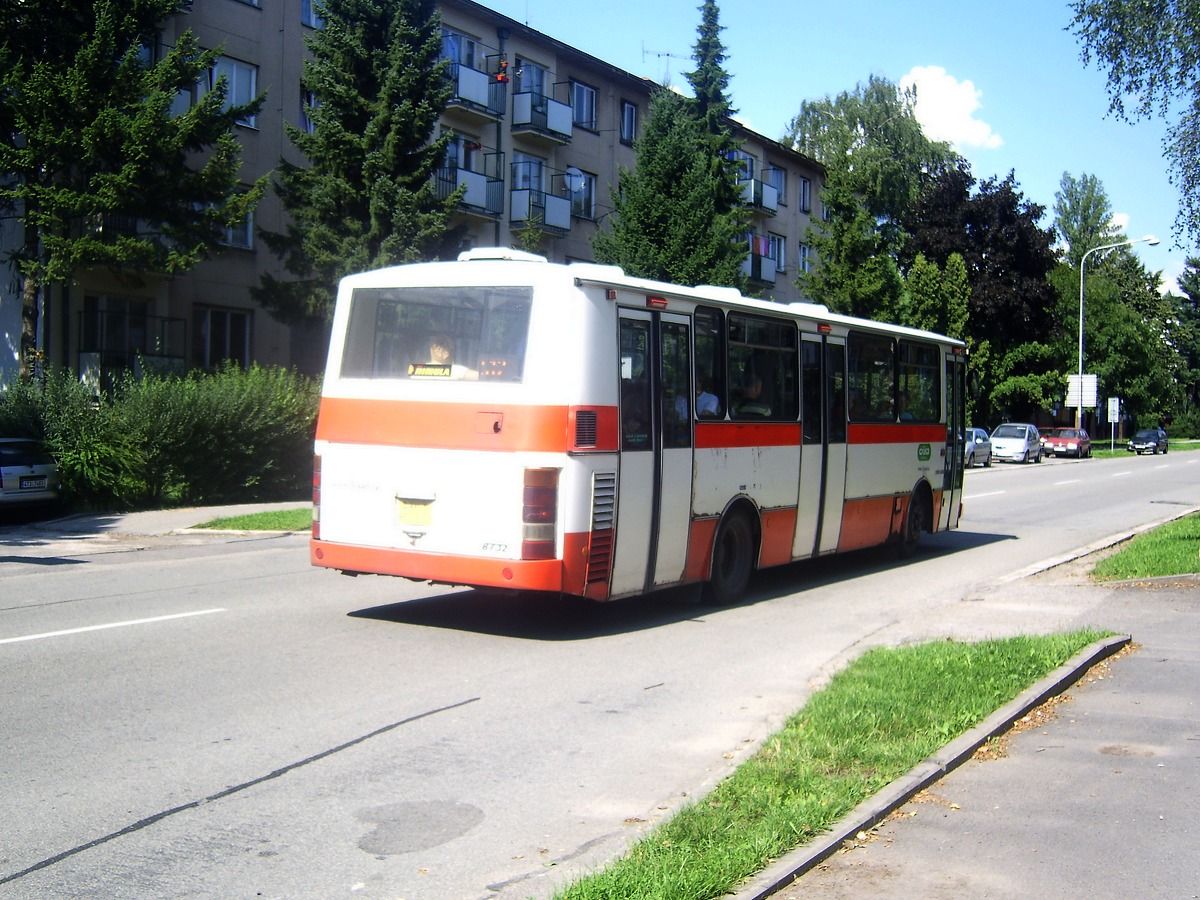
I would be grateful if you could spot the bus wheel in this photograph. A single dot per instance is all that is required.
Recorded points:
(914, 523)
(733, 560)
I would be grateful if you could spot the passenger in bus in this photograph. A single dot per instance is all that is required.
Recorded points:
(441, 353)
(707, 404)
(752, 402)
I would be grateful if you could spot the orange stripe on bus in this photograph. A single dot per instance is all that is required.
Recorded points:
(458, 426)
(699, 552)
(778, 534)
(713, 435)
(865, 523)
(525, 575)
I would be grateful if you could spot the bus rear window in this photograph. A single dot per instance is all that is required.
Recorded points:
(437, 333)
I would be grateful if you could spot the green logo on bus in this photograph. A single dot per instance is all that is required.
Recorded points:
(924, 452)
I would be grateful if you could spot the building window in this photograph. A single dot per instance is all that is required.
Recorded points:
(309, 15)
(462, 49)
(527, 172)
(777, 178)
(777, 250)
(804, 264)
(531, 79)
(805, 195)
(241, 235)
(220, 334)
(743, 164)
(583, 193)
(629, 122)
(241, 84)
(583, 105)
(308, 102)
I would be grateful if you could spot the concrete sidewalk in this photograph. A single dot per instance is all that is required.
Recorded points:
(1101, 799)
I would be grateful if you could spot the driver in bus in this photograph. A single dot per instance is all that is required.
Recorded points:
(441, 353)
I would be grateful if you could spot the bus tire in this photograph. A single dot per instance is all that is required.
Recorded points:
(732, 560)
(916, 520)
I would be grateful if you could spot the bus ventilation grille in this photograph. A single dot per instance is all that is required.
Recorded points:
(585, 428)
(604, 508)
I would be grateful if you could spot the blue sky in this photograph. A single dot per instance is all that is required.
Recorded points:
(1003, 82)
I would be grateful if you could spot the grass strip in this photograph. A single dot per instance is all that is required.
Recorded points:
(875, 721)
(299, 519)
(1170, 549)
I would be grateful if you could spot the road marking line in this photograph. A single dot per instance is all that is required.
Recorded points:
(50, 634)
(1072, 481)
(1119, 474)
(988, 494)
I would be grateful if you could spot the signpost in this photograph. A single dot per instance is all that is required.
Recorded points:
(1114, 413)
(1082, 393)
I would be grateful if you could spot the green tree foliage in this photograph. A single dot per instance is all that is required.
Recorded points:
(1007, 256)
(1083, 216)
(1186, 334)
(876, 159)
(667, 222)
(91, 140)
(936, 300)
(1151, 51)
(365, 196)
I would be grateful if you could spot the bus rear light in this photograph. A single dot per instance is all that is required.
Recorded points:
(539, 514)
(316, 498)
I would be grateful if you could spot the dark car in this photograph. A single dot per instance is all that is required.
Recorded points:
(1067, 442)
(28, 474)
(1148, 440)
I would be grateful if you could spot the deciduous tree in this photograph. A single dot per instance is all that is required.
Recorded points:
(1083, 217)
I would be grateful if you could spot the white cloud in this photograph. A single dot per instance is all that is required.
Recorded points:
(1120, 222)
(946, 109)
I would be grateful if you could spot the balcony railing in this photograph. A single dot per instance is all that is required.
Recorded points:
(477, 92)
(541, 116)
(760, 196)
(550, 211)
(114, 342)
(484, 190)
(759, 268)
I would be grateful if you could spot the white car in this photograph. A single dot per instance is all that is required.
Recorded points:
(1017, 442)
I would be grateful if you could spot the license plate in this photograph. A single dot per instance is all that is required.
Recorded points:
(33, 484)
(417, 513)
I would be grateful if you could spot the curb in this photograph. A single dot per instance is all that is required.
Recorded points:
(870, 812)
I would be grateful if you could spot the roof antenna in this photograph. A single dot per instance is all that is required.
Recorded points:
(662, 54)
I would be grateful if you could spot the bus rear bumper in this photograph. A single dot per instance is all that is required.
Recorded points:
(474, 571)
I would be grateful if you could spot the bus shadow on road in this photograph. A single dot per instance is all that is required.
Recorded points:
(550, 617)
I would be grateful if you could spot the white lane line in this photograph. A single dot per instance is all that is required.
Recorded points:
(1120, 474)
(1072, 481)
(988, 494)
(50, 634)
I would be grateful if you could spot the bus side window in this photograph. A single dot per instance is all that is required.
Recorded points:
(710, 364)
(635, 385)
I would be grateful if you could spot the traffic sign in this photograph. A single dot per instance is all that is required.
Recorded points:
(1090, 391)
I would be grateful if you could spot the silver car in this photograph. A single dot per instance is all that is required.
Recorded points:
(28, 474)
(1017, 442)
(978, 449)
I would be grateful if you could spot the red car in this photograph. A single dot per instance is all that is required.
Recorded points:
(1067, 442)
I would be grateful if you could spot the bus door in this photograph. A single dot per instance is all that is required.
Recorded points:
(956, 422)
(823, 456)
(654, 494)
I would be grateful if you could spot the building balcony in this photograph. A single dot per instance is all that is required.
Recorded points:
(113, 342)
(483, 191)
(541, 117)
(476, 94)
(760, 196)
(551, 212)
(759, 269)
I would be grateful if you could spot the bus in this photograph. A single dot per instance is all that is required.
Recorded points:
(501, 421)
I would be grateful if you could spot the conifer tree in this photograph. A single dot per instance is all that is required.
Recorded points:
(678, 214)
(365, 196)
(92, 135)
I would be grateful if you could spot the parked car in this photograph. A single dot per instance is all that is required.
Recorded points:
(1017, 442)
(1067, 442)
(1148, 440)
(978, 449)
(28, 474)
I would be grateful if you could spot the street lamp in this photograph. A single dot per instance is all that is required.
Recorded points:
(1149, 239)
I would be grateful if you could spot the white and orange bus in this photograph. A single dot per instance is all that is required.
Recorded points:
(506, 422)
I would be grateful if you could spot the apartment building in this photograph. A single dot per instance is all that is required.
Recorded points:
(540, 131)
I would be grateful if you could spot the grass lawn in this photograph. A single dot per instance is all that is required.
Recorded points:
(299, 519)
(875, 721)
(1170, 549)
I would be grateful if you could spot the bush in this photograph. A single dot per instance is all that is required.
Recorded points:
(232, 435)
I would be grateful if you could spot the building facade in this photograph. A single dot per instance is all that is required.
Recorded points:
(540, 131)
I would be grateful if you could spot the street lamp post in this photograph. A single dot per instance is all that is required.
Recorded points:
(1149, 239)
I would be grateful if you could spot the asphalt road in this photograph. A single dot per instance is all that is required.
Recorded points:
(209, 716)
